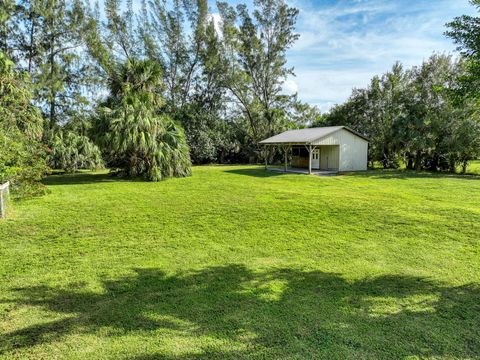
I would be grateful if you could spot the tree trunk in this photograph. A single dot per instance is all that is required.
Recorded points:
(434, 164)
(410, 162)
(31, 41)
(418, 161)
(52, 70)
(385, 157)
(452, 165)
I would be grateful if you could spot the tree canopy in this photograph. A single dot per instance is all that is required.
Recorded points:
(465, 32)
(22, 156)
(412, 118)
(138, 138)
(147, 91)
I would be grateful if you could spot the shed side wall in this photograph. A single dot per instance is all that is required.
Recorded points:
(353, 150)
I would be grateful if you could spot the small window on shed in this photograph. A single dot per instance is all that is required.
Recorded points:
(299, 151)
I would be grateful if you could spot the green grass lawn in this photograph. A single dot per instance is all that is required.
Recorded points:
(235, 262)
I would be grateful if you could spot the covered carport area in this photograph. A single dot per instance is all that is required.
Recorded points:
(305, 153)
(333, 149)
(308, 158)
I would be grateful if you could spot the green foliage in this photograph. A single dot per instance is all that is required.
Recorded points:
(182, 37)
(411, 117)
(254, 50)
(222, 78)
(239, 263)
(7, 26)
(465, 32)
(114, 39)
(446, 130)
(137, 138)
(165, 39)
(71, 151)
(377, 111)
(48, 44)
(211, 139)
(21, 153)
(306, 114)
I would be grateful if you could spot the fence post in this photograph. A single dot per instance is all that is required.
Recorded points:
(4, 193)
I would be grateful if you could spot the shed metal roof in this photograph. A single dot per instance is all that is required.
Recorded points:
(306, 136)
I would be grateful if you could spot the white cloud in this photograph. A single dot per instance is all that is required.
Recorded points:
(290, 87)
(344, 43)
(342, 46)
(330, 86)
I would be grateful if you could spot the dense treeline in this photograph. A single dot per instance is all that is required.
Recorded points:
(414, 117)
(148, 92)
(41, 40)
(426, 117)
(21, 151)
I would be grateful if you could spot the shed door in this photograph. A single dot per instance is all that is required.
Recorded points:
(329, 157)
(316, 159)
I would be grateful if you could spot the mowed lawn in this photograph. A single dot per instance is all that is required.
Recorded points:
(236, 262)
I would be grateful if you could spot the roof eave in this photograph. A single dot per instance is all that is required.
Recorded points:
(285, 143)
(314, 140)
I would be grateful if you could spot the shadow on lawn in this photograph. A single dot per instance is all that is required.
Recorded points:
(410, 174)
(315, 315)
(261, 173)
(83, 178)
(374, 174)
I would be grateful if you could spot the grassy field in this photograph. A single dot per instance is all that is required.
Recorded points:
(474, 167)
(235, 262)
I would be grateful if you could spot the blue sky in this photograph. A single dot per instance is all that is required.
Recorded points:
(344, 43)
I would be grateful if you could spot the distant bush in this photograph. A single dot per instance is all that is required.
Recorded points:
(71, 151)
(22, 156)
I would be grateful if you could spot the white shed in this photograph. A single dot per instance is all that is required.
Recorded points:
(333, 148)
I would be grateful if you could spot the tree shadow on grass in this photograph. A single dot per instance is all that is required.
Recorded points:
(85, 178)
(410, 174)
(260, 173)
(276, 314)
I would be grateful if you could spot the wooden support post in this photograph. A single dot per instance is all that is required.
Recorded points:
(309, 159)
(286, 150)
(266, 160)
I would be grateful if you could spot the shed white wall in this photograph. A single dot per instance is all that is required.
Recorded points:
(353, 150)
(329, 157)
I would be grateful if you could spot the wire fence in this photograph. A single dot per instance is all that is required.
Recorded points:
(4, 195)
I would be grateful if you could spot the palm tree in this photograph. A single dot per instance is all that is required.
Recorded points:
(137, 137)
(71, 151)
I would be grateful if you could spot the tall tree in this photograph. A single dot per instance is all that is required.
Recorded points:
(173, 35)
(29, 42)
(60, 73)
(137, 137)
(46, 41)
(377, 112)
(410, 116)
(22, 157)
(465, 32)
(8, 28)
(112, 38)
(254, 47)
(425, 131)
(182, 37)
